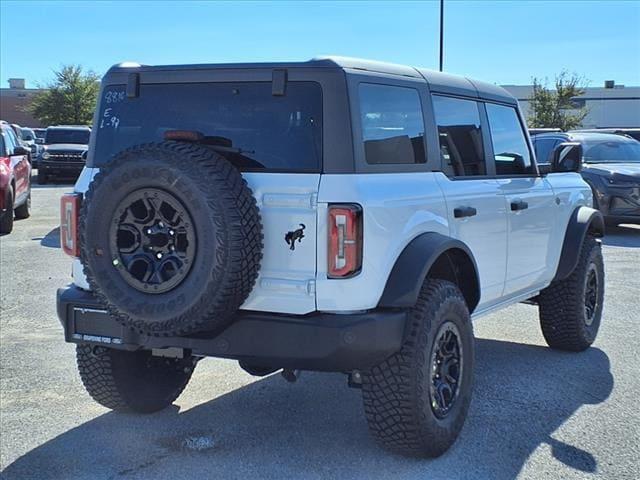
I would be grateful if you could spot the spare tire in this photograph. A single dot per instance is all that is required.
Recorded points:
(171, 238)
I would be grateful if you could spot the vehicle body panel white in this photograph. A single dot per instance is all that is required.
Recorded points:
(397, 207)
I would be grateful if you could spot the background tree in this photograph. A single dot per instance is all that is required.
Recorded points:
(556, 108)
(69, 100)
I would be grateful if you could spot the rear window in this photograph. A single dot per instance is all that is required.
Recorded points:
(257, 130)
(58, 135)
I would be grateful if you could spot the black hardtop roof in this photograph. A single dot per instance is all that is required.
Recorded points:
(439, 82)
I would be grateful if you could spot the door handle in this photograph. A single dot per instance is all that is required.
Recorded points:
(461, 212)
(518, 205)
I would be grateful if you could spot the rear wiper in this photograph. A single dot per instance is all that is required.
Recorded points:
(220, 148)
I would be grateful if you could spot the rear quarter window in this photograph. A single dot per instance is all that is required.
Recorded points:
(392, 124)
(260, 131)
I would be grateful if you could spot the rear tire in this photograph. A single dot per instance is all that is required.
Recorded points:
(404, 396)
(24, 210)
(6, 219)
(132, 381)
(571, 309)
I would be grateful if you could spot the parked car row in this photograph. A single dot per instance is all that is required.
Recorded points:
(57, 151)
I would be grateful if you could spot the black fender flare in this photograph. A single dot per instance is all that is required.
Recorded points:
(583, 220)
(414, 263)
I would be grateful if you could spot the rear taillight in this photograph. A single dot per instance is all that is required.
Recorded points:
(345, 240)
(69, 212)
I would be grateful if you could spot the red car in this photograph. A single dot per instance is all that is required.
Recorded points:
(15, 179)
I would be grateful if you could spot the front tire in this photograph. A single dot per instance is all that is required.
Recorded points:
(24, 210)
(6, 219)
(417, 400)
(132, 381)
(571, 309)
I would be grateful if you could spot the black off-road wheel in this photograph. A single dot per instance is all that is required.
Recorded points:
(6, 217)
(132, 381)
(171, 239)
(417, 400)
(24, 210)
(571, 309)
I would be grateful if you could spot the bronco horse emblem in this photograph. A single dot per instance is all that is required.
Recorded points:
(291, 237)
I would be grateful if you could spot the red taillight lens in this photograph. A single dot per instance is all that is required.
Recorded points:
(345, 241)
(69, 212)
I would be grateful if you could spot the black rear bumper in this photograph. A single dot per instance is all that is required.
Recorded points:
(318, 341)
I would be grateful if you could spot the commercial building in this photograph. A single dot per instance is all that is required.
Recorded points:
(608, 106)
(14, 102)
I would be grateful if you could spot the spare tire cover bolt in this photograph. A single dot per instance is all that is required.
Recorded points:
(171, 232)
(159, 255)
(115, 262)
(149, 231)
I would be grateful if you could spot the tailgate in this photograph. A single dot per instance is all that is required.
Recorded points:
(288, 206)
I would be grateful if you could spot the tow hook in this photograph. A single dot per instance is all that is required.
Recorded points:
(290, 375)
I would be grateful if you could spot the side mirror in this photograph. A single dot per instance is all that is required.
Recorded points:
(19, 150)
(40, 141)
(567, 157)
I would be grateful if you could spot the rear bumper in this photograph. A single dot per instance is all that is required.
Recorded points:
(318, 341)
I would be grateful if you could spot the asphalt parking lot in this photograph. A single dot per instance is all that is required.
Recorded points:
(536, 413)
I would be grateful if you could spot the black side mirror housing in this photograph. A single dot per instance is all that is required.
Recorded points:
(19, 150)
(567, 157)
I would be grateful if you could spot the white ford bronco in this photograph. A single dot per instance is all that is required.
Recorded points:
(336, 215)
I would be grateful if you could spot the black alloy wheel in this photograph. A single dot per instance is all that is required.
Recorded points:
(152, 240)
(446, 369)
(591, 294)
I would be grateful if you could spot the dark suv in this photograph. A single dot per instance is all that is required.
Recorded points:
(64, 152)
(611, 167)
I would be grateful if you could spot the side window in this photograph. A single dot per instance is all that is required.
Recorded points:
(11, 141)
(544, 147)
(392, 124)
(460, 136)
(3, 151)
(510, 148)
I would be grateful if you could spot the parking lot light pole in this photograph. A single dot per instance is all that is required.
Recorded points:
(441, 33)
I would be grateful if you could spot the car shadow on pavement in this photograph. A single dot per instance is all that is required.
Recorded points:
(622, 236)
(51, 239)
(316, 428)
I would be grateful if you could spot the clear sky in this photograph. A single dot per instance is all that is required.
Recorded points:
(505, 42)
